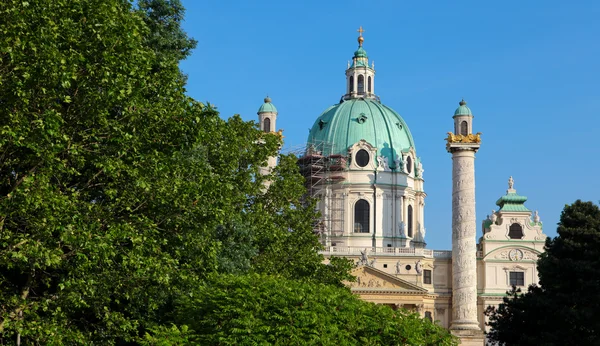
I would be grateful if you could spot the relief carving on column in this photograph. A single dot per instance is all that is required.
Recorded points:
(462, 304)
(463, 281)
(466, 313)
(464, 229)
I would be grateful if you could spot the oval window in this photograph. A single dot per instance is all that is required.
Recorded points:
(362, 158)
(409, 165)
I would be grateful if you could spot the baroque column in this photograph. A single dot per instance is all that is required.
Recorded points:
(463, 145)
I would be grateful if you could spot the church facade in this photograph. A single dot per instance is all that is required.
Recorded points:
(362, 165)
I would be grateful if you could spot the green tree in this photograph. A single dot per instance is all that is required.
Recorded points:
(166, 37)
(96, 225)
(118, 193)
(262, 309)
(563, 310)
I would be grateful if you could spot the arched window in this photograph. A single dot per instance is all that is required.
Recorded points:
(410, 221)
(464, 129)
(369, 84)
(361, 84)
(267, 125)
(351, 83)
(409, 164)
(361, 216)
(515, 231)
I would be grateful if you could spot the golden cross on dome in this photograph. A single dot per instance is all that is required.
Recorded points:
(360, 37)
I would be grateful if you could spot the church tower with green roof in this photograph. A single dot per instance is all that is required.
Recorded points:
(508, 251)
(267, 120)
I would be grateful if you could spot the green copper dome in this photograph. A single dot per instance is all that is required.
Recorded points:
(342, 125)
(463, 109)
(360, 53)
(267, 107)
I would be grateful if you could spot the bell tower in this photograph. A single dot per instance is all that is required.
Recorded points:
(267, 118)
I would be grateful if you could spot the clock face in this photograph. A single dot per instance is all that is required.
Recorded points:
(515, 255)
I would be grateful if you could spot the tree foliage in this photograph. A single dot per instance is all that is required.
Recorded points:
(113, 183)
(259, 309)
(163, 19)
(563, 310)
(119, 194)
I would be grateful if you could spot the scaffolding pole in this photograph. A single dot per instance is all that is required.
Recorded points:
(322, 170)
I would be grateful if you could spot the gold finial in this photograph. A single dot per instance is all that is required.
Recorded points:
(360, 36)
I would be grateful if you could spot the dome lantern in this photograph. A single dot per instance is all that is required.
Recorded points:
(360, 77)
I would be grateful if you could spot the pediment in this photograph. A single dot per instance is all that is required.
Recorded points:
(370, 278)
(513, 253)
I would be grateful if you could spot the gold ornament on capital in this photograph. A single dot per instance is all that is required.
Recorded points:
(470, 138)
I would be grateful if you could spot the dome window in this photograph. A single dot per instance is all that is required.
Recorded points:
(361, 216)
(351, 83)
(369, 84)
(409, 164)
(362, 158)
(515, 231)
(361, 84)
(362, 118)
(267, 125)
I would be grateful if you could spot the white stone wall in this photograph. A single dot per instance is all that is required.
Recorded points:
(389, 194)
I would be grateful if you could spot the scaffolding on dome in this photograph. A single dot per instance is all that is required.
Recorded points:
(321, 169)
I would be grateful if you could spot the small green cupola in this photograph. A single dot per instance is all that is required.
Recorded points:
(267, 107)
(267, 115)
(360, 53)
(360, 56)
(512, 202)
(462, 109)
(463, 119)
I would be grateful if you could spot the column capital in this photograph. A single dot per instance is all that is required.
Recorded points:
(456, 147)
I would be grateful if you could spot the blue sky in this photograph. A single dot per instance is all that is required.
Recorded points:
(529, 70)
